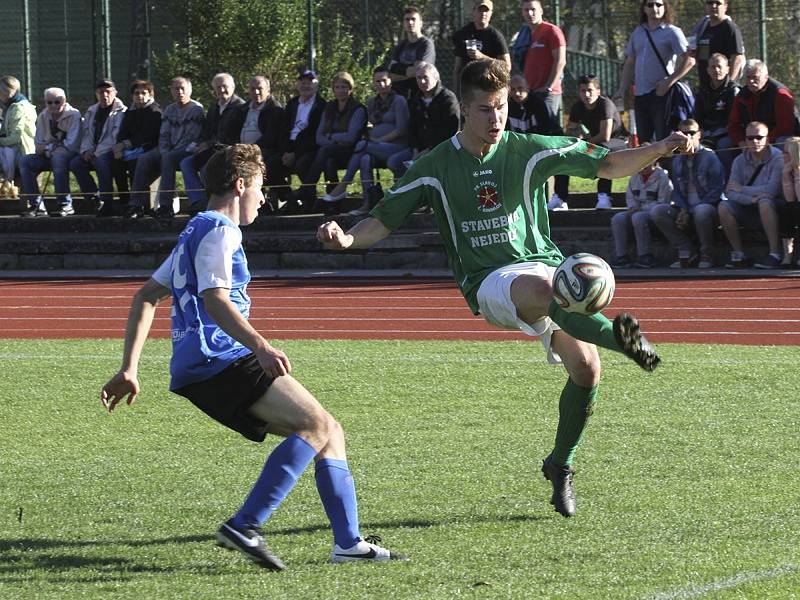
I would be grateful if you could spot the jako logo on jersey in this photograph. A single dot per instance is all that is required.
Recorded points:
(488, 199)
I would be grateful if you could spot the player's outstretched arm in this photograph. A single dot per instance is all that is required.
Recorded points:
(628, 162)
(363, 234)
(219, 306)
(125, 384)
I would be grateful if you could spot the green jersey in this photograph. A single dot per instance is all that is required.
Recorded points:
(490, 211)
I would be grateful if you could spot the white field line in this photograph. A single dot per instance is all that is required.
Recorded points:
(695, 591)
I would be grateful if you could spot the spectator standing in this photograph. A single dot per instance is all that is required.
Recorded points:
(56, 142)
(698, 180)
(790, 178)
(222, 127)
(138, 134)
(101, 124)
(754, 197)
(477, 40)
(654, 42)
(298, 138)
(765, 100)
(712, 109)
(17, 130)
(596, 119)
(180, 130)
(262, 124)
(342, 125)
(411, 51)
(434, 116)
(387, 134)
(648, 190)
(544, 59)
(716, 33)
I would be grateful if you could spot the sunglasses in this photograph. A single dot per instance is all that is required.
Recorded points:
(53, 101)
(756, 137)
(654, 4)
(690, 132)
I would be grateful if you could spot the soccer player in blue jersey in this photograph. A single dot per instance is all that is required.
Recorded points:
(230, 372)
(486, 187)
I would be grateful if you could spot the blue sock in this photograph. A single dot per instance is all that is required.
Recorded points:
(286, 463)
(338, 493)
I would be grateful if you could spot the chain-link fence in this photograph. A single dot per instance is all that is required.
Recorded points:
(72, 43)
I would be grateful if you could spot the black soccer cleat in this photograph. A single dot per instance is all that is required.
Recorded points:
(249, 542)
(634, 345)
(563, 499)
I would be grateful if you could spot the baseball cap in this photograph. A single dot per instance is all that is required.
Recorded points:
(487, 3)
(105, 83)
(307, 74)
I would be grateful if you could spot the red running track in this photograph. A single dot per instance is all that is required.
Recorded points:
(749, 311)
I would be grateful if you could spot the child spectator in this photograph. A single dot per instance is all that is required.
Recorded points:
(647, 189)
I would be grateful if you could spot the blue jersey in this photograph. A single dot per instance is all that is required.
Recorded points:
(208, 255)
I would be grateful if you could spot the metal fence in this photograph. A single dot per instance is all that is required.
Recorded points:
(71, 43)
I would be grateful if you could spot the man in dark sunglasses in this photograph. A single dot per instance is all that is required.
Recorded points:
(754, 197)
(716, 33)
(57, 139)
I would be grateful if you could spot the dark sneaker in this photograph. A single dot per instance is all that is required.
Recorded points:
(106, 209)
(66, 211)
(249, 542)
(365, 550)
(768, 262)
(634, 345)
(134, 212)
(563, 499)
(620, 262)
(735, 263)
(646, 261)
(165, 213)
(39, 211)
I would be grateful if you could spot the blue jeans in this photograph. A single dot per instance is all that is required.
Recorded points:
(146, 169)
(396, 160)
(370, 155)
(102, 165)
(33, 164)
(195, 189)
(170, 163)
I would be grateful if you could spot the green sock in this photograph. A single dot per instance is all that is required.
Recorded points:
(595, 329)
(574, 409)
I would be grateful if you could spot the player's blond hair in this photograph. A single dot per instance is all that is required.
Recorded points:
(240, 161)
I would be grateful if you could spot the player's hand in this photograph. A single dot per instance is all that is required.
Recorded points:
(662, 87)
(333, 237)
(120, 385)
(274, 362)
(677, 143)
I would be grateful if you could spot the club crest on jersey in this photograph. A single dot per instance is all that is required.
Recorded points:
(488, 198)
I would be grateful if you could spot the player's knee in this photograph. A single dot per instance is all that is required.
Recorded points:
(586, 371)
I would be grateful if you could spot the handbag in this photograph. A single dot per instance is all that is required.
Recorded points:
(680, 100)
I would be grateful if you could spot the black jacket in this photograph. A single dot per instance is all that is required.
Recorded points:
(712, 107)
(432, 124)
(141, 126)
(226, 128)
(306, 139)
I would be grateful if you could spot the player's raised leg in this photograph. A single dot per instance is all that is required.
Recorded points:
(533, 298)
(574, 409)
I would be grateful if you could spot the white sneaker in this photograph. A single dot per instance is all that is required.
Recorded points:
(365, 549)
(556, 203)
(603, 201)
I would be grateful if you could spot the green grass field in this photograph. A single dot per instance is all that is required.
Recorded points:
(687, 480)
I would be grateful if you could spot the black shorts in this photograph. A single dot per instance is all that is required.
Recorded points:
(227, 396)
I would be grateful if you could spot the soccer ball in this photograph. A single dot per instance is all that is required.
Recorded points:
(583, 283)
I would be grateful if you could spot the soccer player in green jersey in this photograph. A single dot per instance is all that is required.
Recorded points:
(486, 186)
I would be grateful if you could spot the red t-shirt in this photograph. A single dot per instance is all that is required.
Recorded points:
(539, 59)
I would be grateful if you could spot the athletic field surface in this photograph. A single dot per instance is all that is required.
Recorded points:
(687, 480)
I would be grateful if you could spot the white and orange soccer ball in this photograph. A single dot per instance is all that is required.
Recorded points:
(583, 283)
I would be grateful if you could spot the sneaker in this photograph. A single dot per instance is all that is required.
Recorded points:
(768, 262)
(556, 203)
(646, 261)
(563, 498)
(165, 213)
(249, 542)
(366, 549)
(38, 211)
(603, 202)
(134, 212)
(620, 262)
(736, 263)
(361, 210)
(685, 262)
(66, 210)
(705, 262)
(634, 345)
(106, 210)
